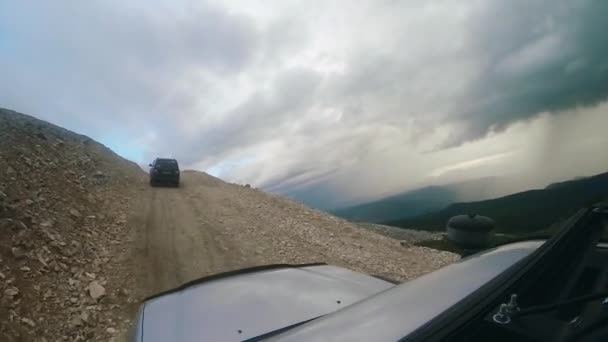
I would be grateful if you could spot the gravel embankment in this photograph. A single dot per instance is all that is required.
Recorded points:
(64, 201)
(407, 236)
(272, 229)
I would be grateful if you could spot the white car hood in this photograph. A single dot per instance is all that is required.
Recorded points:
(248, 305)
(317, 303)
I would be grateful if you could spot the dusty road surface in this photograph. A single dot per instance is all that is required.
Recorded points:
(208, 226)
(176, 241)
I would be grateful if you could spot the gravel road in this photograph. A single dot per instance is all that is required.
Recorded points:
(177, 243)
(208, 226)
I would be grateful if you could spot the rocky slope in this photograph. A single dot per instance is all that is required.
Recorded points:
(407, 236)
(272, 229)
(63, 208)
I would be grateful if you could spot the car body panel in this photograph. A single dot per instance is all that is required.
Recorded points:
(247, 305)
(165, 177)
(393, 314)
(369, 309)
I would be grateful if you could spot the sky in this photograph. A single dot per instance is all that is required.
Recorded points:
(329, 102)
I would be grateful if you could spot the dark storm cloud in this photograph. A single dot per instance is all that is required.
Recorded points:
(536, 56)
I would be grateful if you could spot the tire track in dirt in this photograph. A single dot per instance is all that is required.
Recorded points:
(178, 241)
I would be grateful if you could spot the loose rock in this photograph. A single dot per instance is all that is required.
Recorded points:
(28, 321)
(96, 291)
(76, 322)
(18, 252)
(75, 213)
(11, 291)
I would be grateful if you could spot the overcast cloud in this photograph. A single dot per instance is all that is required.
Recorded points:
(331, 102)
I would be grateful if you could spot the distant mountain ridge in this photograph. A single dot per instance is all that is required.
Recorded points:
(420, 201)
(523, 212)
(411, 203)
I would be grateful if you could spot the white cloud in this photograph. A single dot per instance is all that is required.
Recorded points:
(471, 164)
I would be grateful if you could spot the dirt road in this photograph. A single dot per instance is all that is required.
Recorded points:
(176, 241)
(208, 226)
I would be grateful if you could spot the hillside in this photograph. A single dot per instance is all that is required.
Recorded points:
(420, 201)
(64, 201)
(84, 238)
(408, 204)
(526, 211)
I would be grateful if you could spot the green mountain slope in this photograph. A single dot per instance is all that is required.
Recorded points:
(409, 204)
(421, 201)
(523, 212)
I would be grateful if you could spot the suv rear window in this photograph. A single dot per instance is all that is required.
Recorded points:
(166, 164)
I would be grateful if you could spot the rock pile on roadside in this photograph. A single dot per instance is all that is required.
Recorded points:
(407, 237)
(63, 208)
(272, 229)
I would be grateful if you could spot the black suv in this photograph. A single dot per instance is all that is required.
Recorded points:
(163, 170)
